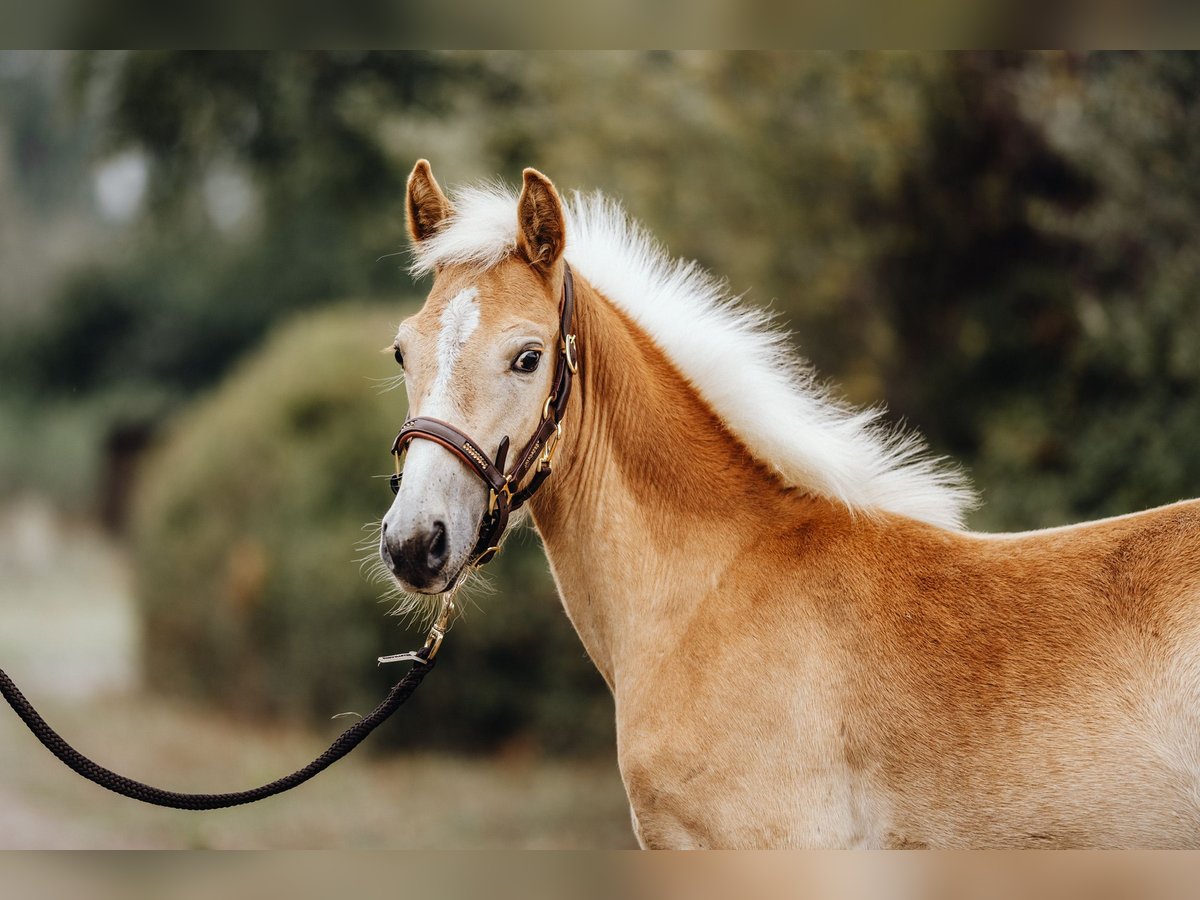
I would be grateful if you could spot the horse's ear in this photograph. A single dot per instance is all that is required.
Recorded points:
(541, 231)
(426, 206)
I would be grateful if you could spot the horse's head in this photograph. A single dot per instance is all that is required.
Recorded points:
(480, 356)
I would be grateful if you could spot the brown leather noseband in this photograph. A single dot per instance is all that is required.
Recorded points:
(506, 493)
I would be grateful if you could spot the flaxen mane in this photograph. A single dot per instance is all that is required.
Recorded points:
(741, 364)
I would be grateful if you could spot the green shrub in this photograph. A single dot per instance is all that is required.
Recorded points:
(247, 531)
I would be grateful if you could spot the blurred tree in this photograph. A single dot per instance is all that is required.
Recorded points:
(977, 295)
(1039, 267)
(274, 181)
(269, 189)
(1122, 405)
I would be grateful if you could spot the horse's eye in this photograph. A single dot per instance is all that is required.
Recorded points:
(399, 358)
(527, 361)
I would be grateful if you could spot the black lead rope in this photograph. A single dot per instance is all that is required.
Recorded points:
(135, 790)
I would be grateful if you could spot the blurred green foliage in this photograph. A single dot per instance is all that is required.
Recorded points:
(251, 523)
(292, 138)
(1003, 247)
(998, 245)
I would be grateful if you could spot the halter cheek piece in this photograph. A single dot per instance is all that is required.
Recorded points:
(505, 491)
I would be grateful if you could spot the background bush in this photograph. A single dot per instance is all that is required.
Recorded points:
(246, 534)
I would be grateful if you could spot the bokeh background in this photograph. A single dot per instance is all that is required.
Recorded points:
(201, 255)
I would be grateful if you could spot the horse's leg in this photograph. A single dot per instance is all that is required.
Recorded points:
(663, 834)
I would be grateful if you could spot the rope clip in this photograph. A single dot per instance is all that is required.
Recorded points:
(433, 641)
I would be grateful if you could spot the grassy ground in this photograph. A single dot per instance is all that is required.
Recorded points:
(69, 640)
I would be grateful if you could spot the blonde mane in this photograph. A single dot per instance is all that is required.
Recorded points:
(739, 362)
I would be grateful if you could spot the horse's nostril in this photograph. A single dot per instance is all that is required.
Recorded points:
(420, 558)
(437, 547)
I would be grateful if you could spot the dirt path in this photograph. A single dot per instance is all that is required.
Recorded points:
(69, 629)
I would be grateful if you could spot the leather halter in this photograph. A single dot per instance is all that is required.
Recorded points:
(506, 493)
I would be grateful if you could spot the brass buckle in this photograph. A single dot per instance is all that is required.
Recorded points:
(571, 353)
(433, 640)
(547, 457)
(494, 496)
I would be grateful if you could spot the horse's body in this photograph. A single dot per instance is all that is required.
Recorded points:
(788, 673)
(789, 670)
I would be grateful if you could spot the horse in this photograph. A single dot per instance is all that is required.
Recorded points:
(804, 644)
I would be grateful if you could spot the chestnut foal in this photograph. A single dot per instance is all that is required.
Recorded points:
(804, 646)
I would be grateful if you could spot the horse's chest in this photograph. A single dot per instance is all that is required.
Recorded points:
(757, 774)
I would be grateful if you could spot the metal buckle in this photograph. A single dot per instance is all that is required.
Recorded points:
(433, 641)
(547, 457)
(494, 496)
(571, 353)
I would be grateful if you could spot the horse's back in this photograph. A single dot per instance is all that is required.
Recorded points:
(1049, 681)
(1138, 573)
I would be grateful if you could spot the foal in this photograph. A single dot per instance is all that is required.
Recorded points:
(804, 646)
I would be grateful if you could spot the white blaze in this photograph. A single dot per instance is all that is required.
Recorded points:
(459, 320)
(436, 487)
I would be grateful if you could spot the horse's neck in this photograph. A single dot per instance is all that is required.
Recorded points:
(651, 498)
